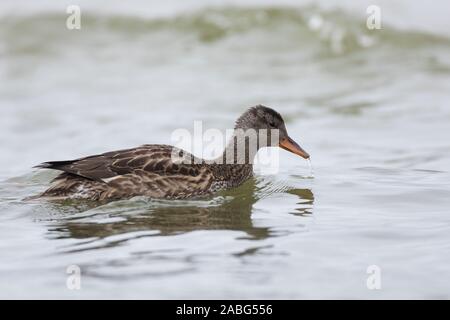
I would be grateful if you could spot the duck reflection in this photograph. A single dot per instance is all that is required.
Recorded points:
(305, 206)
(233, 212)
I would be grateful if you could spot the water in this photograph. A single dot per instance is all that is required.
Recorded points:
(371, 107)
(311, 169)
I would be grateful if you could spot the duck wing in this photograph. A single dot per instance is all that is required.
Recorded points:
(149, 170)
(147, 158)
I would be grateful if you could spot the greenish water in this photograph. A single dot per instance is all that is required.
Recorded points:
(371, 107)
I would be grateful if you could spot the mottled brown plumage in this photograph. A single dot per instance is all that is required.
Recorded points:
(159, 171)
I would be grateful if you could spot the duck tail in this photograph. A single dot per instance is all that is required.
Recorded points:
(53, 164)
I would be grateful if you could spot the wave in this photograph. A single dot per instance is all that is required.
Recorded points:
(334, 31)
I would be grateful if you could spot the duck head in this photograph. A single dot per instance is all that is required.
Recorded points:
(264, 118)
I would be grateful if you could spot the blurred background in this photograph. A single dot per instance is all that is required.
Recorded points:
(372, 107)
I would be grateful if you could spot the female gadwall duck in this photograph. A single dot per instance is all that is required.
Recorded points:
(165, 172)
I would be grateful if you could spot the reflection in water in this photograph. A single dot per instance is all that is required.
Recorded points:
(229, 211)
(306, 197)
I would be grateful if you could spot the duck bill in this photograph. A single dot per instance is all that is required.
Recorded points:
(292, 146)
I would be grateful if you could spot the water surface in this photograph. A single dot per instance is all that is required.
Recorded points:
(371, 107)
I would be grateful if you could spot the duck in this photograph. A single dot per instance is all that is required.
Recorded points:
(160, 171)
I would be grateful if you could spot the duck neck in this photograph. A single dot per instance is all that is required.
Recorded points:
(240, 150)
